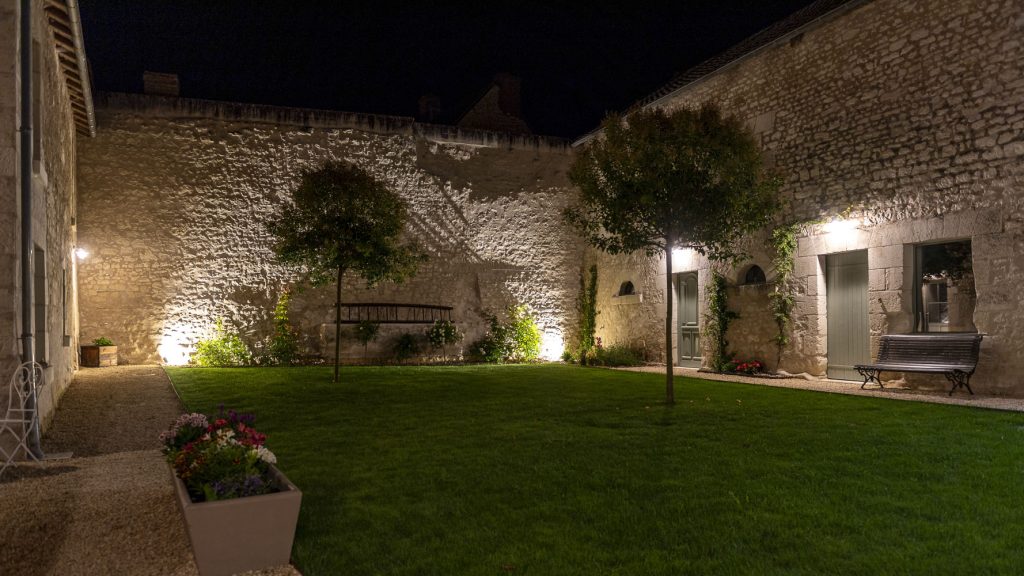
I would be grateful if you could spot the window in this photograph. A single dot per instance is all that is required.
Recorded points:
(754, 275)
(39, 295)
(626, 289)
(944, 296)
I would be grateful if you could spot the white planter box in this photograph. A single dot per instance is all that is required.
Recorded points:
(231, 536)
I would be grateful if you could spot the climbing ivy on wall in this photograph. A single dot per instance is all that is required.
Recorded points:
(782, 299)
(587, 313)
(717, 320)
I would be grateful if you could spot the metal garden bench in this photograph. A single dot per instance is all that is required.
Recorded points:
(953, 355)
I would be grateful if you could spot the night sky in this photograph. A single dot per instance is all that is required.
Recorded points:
(577, 61)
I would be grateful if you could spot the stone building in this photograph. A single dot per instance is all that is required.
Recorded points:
(899, 128)
(37, 270)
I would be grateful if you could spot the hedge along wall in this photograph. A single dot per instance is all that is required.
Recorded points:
(175, 195)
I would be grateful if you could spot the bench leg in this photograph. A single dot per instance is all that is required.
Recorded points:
(870, 375)
(959, 380)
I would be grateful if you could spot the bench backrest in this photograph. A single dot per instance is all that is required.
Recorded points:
(930, 349)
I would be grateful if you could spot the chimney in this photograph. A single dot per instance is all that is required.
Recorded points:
(430, 108)
(509, 97)
(160, 84)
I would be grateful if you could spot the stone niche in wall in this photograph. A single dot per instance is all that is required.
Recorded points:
(627, 295)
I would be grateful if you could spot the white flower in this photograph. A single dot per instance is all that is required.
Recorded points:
(266, 455)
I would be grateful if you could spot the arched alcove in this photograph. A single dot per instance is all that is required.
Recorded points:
(754, 276)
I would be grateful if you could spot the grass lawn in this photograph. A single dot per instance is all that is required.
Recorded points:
(553, 470)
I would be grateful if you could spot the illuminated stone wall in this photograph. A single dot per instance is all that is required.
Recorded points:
(175, 196)
(911, 115)
(54, 186)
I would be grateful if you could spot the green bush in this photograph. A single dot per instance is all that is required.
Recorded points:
(617, 355)
(516, 340)
(405, 346)
(224, 348)
(443, 333)
(103, 341)
(365, 332)
(283, 345)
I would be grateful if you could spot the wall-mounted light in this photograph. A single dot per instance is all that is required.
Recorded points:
(81, 253)
(841, 225)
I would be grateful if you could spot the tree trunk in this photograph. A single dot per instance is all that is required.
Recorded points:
(670, 395)
(337, 327)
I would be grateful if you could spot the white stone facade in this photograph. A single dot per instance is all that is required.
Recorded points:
(176, 194)
(54, 190)
(909, 115)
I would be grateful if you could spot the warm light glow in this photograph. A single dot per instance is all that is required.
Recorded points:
(552, 344)
(841, 226)
(175, 346)
(81, 253)
(684, 259)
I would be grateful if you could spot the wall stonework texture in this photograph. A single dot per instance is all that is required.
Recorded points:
(54, 190)
(176, 195)
(910, 115)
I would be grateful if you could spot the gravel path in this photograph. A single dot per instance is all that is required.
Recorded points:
(111, 508)
(960, 398)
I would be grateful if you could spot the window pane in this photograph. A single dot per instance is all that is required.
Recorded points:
(945, 288)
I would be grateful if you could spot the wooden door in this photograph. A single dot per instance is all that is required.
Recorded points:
(846, 283)
(688, 337)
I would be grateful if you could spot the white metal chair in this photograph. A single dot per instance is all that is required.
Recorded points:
(21, 416)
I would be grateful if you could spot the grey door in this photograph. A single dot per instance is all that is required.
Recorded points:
(688, 336)
(846, 283)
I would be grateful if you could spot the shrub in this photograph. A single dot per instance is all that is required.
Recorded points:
(405, 346)
(103, 341)
(618, 355)
(224, 348)
(569, 358)
(283, 346)
(365, 332)
(441, 334)
(517, 340)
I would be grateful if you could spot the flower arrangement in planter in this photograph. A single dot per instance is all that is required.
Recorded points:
(101, 353)
(240, 511)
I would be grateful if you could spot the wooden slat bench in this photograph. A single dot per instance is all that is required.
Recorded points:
(954, 355)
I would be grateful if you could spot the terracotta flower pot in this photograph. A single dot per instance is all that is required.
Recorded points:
(231, 536)
(99, 356)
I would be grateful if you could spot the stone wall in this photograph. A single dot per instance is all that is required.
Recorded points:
(909, 115)
(176, 194)
(53, 211)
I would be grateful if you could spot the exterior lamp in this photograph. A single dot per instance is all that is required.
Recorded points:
(840, 225)
(81, 253)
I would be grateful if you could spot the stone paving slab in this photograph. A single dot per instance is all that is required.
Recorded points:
(959, 398)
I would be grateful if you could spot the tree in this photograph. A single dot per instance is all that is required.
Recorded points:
(342, 220)
(657, 181)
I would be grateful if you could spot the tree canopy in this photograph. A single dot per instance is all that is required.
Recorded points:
(692, 178)
(341, 217)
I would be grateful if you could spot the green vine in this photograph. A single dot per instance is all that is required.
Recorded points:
(782, 299)
(587, 313)
(717, 320)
